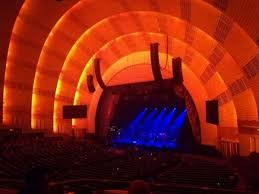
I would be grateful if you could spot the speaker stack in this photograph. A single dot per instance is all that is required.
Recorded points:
(177, 70)
(155, 62)
(90, 83)
(98, 75)
(212, 112)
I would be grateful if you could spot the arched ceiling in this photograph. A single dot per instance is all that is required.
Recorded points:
(49, 57)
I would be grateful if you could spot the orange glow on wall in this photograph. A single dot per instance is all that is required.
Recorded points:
(7, 94)
(64, 56)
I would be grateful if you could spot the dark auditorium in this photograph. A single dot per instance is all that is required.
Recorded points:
(129, 96)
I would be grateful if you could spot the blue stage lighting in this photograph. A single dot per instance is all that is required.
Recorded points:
(174, 129)
(156, 124)
(153, 128)
(137, 119)
(167, 119)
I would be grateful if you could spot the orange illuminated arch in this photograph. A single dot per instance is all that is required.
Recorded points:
(39, 82)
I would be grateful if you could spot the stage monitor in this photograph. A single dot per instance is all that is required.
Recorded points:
(212, 112)
(74, 111)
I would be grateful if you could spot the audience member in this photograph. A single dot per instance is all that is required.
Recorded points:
(84, 191)
(139, 187)
(36, 181)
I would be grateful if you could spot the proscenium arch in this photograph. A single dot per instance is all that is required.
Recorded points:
(138, 73)
(208, 131)
(192, 83)
(196, 5)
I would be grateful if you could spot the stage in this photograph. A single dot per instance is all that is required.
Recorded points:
(152, 127)
(147, 114)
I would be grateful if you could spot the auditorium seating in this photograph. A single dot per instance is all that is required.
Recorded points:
(70, 161)
(197, 171)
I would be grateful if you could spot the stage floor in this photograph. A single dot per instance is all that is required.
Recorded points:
(147, 144)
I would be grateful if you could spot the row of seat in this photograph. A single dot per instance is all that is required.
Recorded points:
(69, 159)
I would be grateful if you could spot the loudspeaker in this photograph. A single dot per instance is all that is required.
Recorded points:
(177, 70)
(90, 83)
(74, 111)
(212, 112)
(154, 56)
(98, 75)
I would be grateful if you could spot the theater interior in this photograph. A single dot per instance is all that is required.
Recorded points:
(129, 96)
